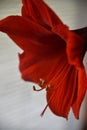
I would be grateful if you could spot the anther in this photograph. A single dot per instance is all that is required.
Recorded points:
(42, 82)
(47, 87)
(34, 88)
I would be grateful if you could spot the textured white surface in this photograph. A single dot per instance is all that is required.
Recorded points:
(20, 107)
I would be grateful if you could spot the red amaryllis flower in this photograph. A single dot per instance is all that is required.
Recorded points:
(52, 55)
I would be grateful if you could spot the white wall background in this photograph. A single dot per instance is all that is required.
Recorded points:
(20, 107)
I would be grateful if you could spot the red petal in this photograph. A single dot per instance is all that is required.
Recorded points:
(60, 96)
(37, 12)
(75, 45)
(75, 53)
(80, 93)
(30, 36)
(40, 12)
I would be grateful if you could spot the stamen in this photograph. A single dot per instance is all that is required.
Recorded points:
(41, 84)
